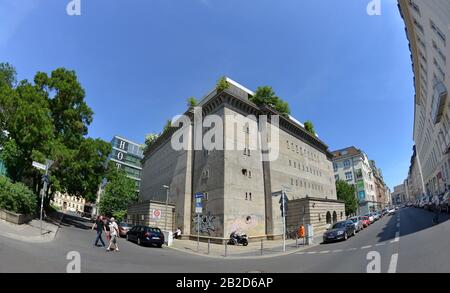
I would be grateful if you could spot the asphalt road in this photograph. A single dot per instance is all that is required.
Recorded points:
(405, 242)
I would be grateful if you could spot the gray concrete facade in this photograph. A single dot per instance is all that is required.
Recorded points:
(239, 185)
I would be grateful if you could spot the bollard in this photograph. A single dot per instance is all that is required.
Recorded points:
(296, 242)
(226, 247)
(262, 247)
(209, 244)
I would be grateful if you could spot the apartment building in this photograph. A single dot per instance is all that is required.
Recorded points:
(427, 29)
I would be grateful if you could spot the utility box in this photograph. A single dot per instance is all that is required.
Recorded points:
(168, 238)
(309, 234)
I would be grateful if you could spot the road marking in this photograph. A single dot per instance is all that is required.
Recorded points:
(312, 252)
(393, 264)
(325, 251)
(380, 244)
(337, 250)
(365, 247)
(397, 237)
(398, 225)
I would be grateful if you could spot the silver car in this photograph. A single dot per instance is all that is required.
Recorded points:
(358, 224)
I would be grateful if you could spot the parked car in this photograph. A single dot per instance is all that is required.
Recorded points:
(340, 231)
(371, 218)
(365, 221)
(429, 203)
(358, 223)
(422, 202)
(143, 235)
(377, 215)
(391, 211)
(123, 229)
(444, 203)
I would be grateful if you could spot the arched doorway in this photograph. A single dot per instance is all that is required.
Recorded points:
(328, 218)
(334, 217)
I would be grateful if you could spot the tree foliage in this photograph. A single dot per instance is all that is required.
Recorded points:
(49, 119)
(309, 126)
(150, 139)
(120, 192)
(347, 193)
(266, 96)
(222, 84)
(192, 102)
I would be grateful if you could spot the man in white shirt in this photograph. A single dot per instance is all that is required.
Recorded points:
(114, 230)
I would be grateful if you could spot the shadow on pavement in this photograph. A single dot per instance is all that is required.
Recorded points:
(77, 222)
(412, 220)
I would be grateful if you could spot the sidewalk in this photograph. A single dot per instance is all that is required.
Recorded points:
(270, 248)
(31, 232)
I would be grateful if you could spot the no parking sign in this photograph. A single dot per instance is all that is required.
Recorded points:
(156, 214)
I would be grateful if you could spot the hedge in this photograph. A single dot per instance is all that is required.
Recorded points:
(16, 197)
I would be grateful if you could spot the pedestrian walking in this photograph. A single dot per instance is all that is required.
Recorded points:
(114, 231)
(436, 210)
(100, 227)
(107, 229)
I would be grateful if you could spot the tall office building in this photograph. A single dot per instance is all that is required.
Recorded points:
(127, 155)
(427, 29)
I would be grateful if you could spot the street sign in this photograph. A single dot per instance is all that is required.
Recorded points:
(156, 214)
(283, 203)
(46, 179)
(198, 203)
(39, 166)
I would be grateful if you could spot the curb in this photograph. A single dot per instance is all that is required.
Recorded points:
(32, 239)
(35, 239)
(243, 257)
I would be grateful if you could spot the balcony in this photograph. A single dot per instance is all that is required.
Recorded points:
(439, 99)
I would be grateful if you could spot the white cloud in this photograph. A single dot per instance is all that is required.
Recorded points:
(12, 14)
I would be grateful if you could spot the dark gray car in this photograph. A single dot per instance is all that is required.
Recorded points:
(340, 231)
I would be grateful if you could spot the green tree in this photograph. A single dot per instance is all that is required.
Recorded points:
(27, 118)
(71, 115)
(150, 139)
(50, 119)
(222, 84)
(192, 102)
(7, 75)
(309, 126)
(266, 96)
(347, 193)
(120, 192)
(167, 126)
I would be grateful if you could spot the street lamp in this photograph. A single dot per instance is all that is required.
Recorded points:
(167, 200)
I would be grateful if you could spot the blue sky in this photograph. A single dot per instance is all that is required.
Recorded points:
(138, 60)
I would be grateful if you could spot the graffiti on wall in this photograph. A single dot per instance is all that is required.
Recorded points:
(244, 224)
(206, 224)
